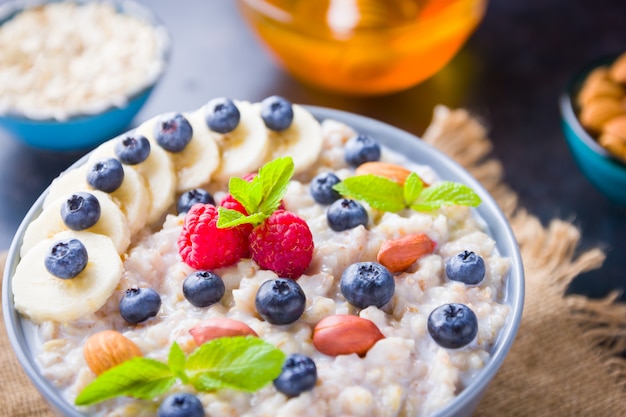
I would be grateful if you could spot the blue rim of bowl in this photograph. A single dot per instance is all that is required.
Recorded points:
(569, 108)
(396, 139)
(9, 9)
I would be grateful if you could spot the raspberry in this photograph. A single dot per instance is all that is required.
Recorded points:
(203, 246)
(283, 244)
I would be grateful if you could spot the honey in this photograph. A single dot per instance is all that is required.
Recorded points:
(363, 47)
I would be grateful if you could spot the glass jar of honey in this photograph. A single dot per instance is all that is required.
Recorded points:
(363, 47)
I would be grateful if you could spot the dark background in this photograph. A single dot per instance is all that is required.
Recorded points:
(510, 74)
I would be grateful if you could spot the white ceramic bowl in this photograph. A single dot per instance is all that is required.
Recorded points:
(498, 227)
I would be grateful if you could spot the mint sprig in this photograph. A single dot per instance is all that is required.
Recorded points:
(261, 196)
(244, 363)
(387, 195)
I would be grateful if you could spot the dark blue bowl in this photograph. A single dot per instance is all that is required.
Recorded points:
(83, 131)
(604, 171)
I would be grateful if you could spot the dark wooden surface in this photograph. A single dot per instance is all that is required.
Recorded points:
(510, 74)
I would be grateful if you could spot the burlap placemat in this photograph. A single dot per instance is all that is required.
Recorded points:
(566, 360)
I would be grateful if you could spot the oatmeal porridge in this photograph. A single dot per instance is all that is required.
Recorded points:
(382, 305)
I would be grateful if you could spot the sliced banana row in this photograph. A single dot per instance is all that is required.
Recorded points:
(146, 194)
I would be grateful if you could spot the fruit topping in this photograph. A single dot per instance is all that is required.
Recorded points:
(322, 190)
(191, 197)
(132, 149)
(203, 288)
(108, 348)
(139, 304)
(280, 301)
(277, 113)
(203, 245)
(399, 254)
(343, 334)
(299, 374)
(80, 211)
(283, 243)
(173, 132)
(66, 258)
(365, 284)
(106, 175)
(360, 149)
(181, 404)
(345, 214)
(452, 326)
(222, 115)
(215, 327)
(466, 267)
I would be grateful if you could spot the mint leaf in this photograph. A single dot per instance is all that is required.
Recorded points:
(246, 193)
(138, 377)
(242, 363)
(176, 361)
(413, 186)
(274, 178)
(231, 218)
(261, 196)
(379, 192)
(446, 193)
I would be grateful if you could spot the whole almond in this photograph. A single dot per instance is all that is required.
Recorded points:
(213, 328)
(108, 348)
(599, 110)
(618, 69)
(616, 126)
(599, 87)
(399, 254)
(616, 145)
(344, 334)
(383, 169)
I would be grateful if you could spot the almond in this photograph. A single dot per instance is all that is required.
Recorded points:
(616, 126)
(108, 348)
(344, 334)
(599, 87)
(399, 254)
(383, 169)
(618, 69)
(616, 145)
(213, 328)
(599, 110)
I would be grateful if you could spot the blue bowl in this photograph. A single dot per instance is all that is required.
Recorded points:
(604, 171)
(83, 131)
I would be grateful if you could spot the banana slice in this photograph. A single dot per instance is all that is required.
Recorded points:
(158, 173)
(132, 197)
(302, 140)
(243, 150)
(195, 164)
(42, 296)
(112, 223)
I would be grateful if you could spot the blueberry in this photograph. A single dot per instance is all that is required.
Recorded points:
(173, 132)
(280, 301)
(366, 284)
(139, 304)
(132, 149)
(299, 374)
(360, 149)
(277, 113)
(106, 175)
(345, 214)
(191, 197)
(203, 288)
(222, 115)
(322, 188)
(466, 267)
(80, 211)
(181, 404)
(452, 326)
(66, 258)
